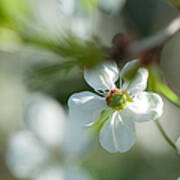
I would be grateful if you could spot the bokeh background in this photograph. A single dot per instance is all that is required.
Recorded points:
(151, 157)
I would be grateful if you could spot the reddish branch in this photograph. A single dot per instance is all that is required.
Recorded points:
(124, 47)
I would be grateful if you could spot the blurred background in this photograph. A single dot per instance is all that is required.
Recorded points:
(38, 54)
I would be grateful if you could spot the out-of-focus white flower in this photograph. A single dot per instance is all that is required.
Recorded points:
(41, 152)
(25, 154)
(62, 16)
(115, 110)
(82, 20)
(46, 119)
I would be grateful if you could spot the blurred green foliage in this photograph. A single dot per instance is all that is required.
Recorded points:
(89, 4)
(13, 12)
(79, 52)
(175, 2)
(74, 52)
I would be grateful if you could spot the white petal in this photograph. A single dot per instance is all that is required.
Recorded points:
(128, 66)
(118, 133)
(46, 118)
(146, 106)
(138, 83)
(86, 106)
(103, 76)
(25, 154)
(178, 144)
(77, 141)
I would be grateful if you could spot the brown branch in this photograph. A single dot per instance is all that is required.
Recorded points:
(125, 47)
(155, 40)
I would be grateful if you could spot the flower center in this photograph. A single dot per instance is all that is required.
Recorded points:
(118, 99)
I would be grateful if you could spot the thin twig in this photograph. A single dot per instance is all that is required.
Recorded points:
(170, 142)
(155, 40)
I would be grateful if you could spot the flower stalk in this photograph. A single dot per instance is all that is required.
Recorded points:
(168, 93)
(105, 115)
(164, 134)
(156, 84)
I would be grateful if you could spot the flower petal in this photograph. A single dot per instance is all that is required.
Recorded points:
(128, 66)
(86, 106)
(139, 82)
(78, 140)
(118, 133)
(25, 154)
(103, 76)
(146, 106)
(46, 118)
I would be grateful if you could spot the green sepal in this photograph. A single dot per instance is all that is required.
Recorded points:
(104, 116)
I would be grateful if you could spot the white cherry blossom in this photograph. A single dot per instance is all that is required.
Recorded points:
(43, 150)
(115, 107)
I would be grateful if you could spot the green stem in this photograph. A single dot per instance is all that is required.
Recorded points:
(168, 93)
(105, 115)
(156, 85)
(170, 142)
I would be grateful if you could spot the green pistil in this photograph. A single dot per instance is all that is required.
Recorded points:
(118, 99)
